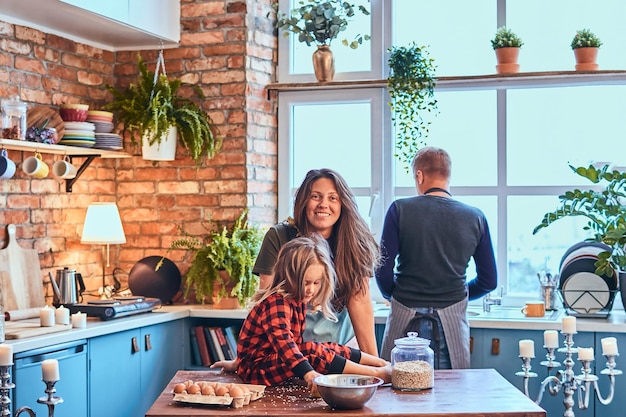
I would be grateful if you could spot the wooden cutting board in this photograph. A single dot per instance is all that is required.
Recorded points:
(39, 115)
(20, 276)
(23, 329)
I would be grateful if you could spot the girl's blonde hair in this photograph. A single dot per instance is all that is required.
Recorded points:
(294, 259)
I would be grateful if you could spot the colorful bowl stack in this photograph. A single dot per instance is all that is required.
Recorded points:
(78, 132)
(103, 122)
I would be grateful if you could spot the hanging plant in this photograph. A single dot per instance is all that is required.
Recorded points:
(411, 86)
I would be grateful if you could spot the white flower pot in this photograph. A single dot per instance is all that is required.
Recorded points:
(163, 150)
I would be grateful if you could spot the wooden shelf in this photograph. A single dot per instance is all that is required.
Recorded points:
(72, 151)
(479, 82)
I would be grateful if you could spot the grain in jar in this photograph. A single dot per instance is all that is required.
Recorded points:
(412, 362)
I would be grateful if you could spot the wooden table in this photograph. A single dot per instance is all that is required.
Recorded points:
(470, 392)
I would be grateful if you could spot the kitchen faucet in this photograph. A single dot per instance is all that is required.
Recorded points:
(489, 301)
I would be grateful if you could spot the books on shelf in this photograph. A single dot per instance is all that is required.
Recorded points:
(221, 338)
(232, 333)
(216, 343)
(210, 344)
(203, 347)
(194, 348)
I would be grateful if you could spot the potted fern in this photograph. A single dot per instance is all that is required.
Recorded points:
(152, 111)
(585, 45)
(222, 261)
(506, 45)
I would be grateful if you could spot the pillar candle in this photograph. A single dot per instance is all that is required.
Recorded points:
(6, 354)
(609, 346)
(46, 317)
(585, 354)
(527, 348)
(550, 339)
(79, 320)
(62, 315)
(569, 324)
(50, 370)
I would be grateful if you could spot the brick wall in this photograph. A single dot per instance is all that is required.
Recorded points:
(228, 48)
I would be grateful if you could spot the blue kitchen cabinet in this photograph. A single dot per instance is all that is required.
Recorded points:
(130, 369)
(499, 349)
(72, 386)
(618, 405)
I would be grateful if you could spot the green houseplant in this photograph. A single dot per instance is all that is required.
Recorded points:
(507, 45)
(231, 250)
(505, 38)
(149, 107)
(605, 211)
(411, 86)
(584, 38)
(585, 45)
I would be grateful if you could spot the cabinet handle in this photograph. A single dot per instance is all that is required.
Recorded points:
(471, 344)
(135, 345)
(495, 346)
(148, 344)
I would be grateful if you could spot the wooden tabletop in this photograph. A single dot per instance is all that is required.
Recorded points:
(457, 393)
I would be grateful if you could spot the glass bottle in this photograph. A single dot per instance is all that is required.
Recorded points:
(412, 363)
(13, 118)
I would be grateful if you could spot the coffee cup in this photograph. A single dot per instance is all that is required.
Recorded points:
(35, 167)
(534, 309)
(7, 166)
(64, 169)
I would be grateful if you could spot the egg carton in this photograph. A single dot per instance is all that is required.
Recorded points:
(254, 393)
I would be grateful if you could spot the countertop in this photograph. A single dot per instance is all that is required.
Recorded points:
(498, 318)
(456, 393)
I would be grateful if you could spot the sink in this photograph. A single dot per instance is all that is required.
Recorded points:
(510, 313)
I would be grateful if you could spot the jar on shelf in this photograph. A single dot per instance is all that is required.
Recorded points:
(412, 363)
(13, 118)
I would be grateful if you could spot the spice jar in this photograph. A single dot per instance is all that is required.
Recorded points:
(13, 118)
(412, 363)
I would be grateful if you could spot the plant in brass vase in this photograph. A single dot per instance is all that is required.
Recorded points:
(320, 21)
(411, 86)
(152, 105)
(231, 249)
(605, 211)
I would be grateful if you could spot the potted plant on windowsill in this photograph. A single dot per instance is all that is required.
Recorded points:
(151, 108)
(319, 22)
(606, 214)
(411, 86)
(222, 261)
(506, 45)
(586, 45)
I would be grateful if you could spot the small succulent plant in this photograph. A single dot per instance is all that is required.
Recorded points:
(505, 38)
(584, 38)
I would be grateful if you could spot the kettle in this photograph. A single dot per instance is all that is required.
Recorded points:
(67, 281)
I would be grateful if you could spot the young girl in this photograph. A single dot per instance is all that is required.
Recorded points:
(270, 348)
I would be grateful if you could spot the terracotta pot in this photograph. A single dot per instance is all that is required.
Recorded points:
(228, 302)
(586, 59)
(324, 64)
(507, 60)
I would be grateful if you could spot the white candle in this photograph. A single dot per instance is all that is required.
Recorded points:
(585, 354)
(527, 348)
(609, 346)
(79, 320)
(6, 354)
(62, 315)
(50, 370)
(46, 317)
(550, 339)
(569, 324)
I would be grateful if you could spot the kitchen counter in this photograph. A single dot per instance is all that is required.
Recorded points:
(468, 392)
(498, 318)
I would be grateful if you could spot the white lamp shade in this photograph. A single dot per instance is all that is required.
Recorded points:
(103, 225)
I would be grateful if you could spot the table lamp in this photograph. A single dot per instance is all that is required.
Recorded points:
(103, 226)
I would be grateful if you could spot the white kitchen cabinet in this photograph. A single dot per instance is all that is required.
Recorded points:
(161, 17)
(112, 9)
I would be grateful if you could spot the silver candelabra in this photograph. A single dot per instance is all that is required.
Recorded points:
(567, 380)
(5, 401)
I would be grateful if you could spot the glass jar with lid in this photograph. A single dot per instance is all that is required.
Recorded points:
(13, 118)
(412, 363)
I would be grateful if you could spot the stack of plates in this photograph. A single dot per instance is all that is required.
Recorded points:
(583, 291)
(102, 120)
(79, 134)
(109, 141)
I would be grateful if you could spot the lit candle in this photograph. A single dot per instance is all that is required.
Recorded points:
(46, 317)
(6, 354)
(79, 320)
(62, 315)
(550, 339)
(50, 370)
(585, 354)
(569, 325)
(609, 346)
(527, 348)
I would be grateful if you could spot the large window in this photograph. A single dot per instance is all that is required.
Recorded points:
(510, 147)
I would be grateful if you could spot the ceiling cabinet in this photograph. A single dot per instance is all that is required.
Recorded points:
(114, 25)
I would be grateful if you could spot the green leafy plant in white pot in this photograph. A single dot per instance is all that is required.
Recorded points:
(319, 22)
